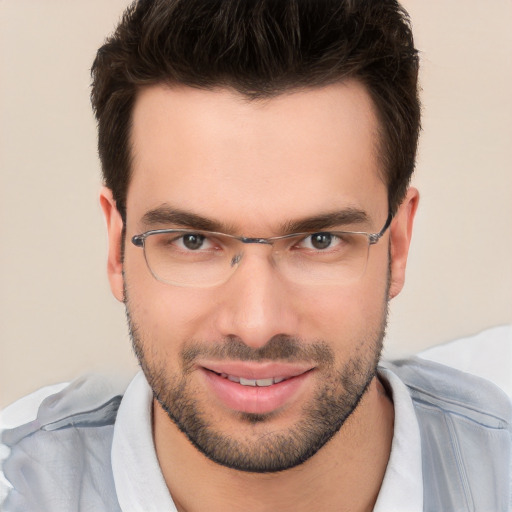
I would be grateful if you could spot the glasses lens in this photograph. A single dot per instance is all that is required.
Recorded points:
(326, 258)
(187, 258)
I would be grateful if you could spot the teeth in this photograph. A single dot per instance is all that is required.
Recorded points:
(247, 382)
(262, 383)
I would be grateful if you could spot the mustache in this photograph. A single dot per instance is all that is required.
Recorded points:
(281, 347)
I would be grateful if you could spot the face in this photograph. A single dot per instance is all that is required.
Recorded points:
(259, 372)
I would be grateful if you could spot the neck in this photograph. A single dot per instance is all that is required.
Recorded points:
(346, 474)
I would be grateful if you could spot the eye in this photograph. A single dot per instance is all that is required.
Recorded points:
(183, 242)
(194, 241)
(320, 241)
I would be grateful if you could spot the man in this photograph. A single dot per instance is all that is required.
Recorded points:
(257, 158)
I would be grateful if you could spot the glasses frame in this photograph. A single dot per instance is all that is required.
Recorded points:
(139, 240)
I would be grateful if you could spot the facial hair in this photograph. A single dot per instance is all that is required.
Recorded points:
(341, 390)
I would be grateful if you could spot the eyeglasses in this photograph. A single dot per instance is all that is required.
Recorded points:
(196, 258)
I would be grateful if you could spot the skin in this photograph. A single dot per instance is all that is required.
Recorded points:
(255, 166)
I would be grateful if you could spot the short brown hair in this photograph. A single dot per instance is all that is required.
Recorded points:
(260, 48)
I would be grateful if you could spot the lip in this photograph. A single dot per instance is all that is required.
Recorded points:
(255, 399)
(250, 370)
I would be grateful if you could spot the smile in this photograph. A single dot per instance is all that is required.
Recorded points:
(262, 383)
(255, 387)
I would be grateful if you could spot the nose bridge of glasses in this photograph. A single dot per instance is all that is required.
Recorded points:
(249, 240)
(240, 242)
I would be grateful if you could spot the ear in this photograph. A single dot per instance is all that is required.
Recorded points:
(115, 240)
(401, 233)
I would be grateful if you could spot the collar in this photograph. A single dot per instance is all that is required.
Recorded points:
(140, 485)
(402, 487)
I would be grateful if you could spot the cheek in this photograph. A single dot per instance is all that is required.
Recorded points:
(166, 314)
(344, 310)
(173, 314)
(347, 315)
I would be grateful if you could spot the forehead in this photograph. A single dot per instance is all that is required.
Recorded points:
(222, 156)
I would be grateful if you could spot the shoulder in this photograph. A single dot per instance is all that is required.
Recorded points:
(82, 401)
(453, 391)
(60, 436)
(466, 436)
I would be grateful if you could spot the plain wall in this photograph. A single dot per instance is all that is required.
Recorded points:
(57, 316)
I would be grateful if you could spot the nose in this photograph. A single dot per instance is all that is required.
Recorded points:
(256, 304)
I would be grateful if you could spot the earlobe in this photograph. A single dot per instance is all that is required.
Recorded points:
(115, 239)
(401, 234)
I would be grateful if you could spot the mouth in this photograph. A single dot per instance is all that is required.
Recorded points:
(261, 383)
(257, 388)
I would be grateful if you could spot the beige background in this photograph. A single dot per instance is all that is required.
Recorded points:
(57, 317)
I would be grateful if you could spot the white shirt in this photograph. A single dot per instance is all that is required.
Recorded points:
(141, 487)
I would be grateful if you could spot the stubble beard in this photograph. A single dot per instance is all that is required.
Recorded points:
(271, 450)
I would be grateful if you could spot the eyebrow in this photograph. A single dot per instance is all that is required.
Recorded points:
(167, 215)
(319, 222)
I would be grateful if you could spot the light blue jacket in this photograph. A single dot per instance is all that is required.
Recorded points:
(465, 424)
